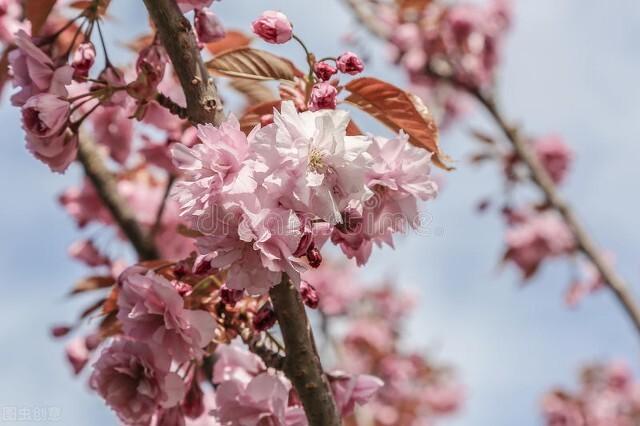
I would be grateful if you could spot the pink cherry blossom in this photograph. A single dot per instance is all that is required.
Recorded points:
(187, 5)
(135, 381)
(273, 27)
(114, 129)
(323, 70)
(208, 26)
(323, 96)
(57, 152)
(335, 287)
(11, 20)
(329, 167)
(85, 251)
(263, 399)
(83, 59)
(351, 390)
(349, 63)
(536, 237)
(151, 309)
(34, 72)
(555, 156)
(45, 115)
(77, 354)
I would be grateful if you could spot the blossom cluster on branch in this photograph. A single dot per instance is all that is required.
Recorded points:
(219, 214)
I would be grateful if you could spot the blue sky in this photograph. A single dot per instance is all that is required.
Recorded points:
(571, 68)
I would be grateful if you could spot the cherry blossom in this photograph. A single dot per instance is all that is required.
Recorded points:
(151, 309)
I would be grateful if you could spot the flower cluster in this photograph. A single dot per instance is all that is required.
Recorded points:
(264, 204)
(534, 237)
(461, 41)
(608, 396)
(416, 390)
(248, 393)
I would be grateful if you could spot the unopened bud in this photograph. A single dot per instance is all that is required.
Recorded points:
(309, 295)
(265, 318)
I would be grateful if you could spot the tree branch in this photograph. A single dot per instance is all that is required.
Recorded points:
(542, 180)
(539, 175)
(302, 363)
(178, 38)
(107, 189)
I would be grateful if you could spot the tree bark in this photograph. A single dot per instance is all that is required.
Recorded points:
(179, 40)
(107, 189)
(302, 363)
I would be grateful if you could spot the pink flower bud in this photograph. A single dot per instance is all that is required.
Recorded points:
(193, 404)
(323, 96)
(208, 26)
(230, 296)
(324, 70)
(265, 318)
(349, 63)
(83, 59)
(182, 287)
(150, 66)
(60, 330)
(314, 257)
(309, 295)
(273, 27)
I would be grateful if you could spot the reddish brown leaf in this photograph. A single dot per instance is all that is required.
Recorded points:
(92, 308)
(234, 39)
(93, 283)
(398, 110)
(255, 92)
(37, 11)
(412, 5)
(111, 302)
(252, 64)
(81, 4)
(253, 114)
(353, 129)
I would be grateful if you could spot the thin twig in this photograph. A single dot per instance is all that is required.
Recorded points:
(163, 204)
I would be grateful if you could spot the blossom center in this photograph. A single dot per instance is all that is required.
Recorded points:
(316, 161)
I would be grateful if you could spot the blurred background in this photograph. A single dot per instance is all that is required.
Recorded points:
(570, 68)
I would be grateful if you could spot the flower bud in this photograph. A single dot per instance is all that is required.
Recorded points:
(309, 295)
(273, 27)
(83, 59)
(324, 70)
(193, 404)
(349, 63)
(207, 25)
(230, 296)
(323, 96)
(60, 330)
(265, 318)
(313, 256)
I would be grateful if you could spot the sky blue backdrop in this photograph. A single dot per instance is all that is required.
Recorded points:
(571, 67)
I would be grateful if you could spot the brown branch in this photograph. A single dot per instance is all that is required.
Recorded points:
(539, 175)
(173, 107)
(302, 363)
(542, 180)
(178, 38)
(107, 189)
